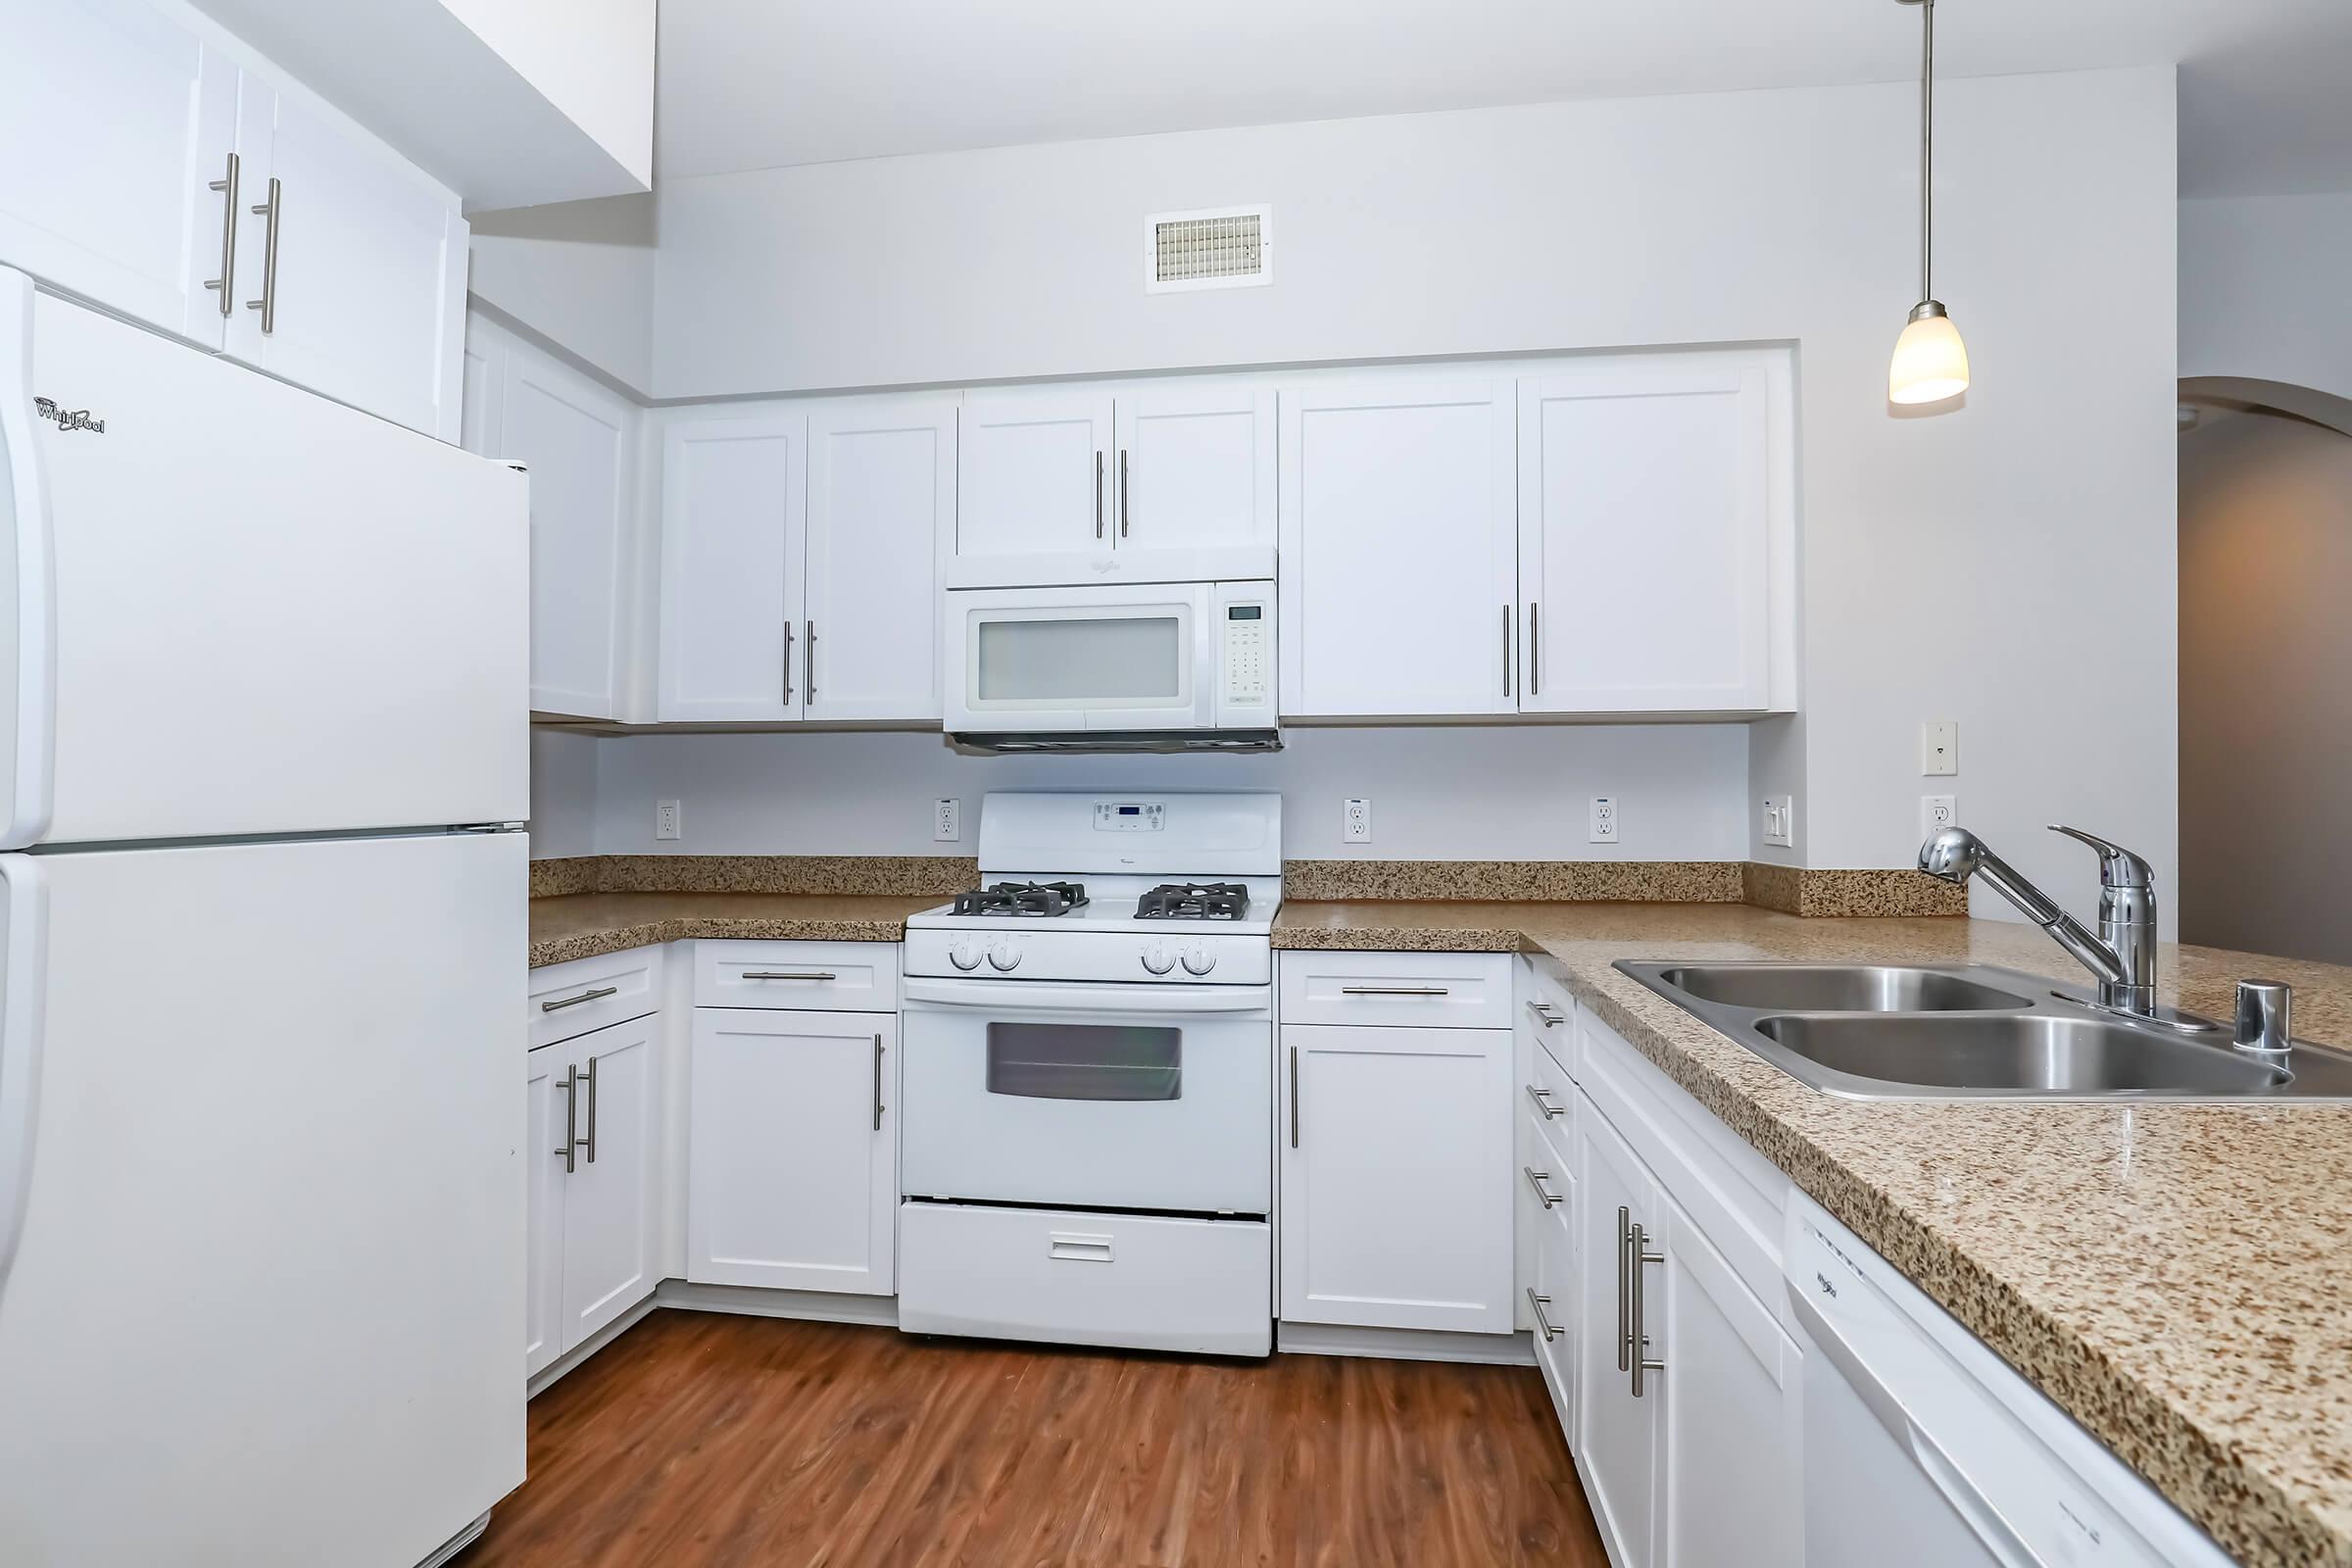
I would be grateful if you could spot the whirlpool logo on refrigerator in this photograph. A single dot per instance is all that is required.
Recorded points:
(67, 418)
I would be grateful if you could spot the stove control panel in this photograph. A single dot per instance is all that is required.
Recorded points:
(1130, 816)
(1111, 956)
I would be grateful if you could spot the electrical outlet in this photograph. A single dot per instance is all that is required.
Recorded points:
(1355, 820)
(946, 821)
(1601, 820)
(1780, 821)
(666, 820)
(1938, 748)
(1938, 813)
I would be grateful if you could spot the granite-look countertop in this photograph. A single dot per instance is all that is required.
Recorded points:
(581, 926)
(2177, 1276)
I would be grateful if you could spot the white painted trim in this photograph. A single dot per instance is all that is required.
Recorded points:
(748, 1300)
(1404, 1344)
(555, 1370)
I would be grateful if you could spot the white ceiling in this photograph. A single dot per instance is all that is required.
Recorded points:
(756, 83)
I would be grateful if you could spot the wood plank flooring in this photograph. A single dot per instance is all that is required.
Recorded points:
(702, 1440)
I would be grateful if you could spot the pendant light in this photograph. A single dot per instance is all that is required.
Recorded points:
(1931, 363)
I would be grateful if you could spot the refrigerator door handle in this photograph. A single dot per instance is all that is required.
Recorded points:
(27, 579)
(24, 975)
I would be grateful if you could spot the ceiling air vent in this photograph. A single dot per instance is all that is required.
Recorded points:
(1226, 247)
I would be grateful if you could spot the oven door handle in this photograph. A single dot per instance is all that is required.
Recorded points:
(1030, 996)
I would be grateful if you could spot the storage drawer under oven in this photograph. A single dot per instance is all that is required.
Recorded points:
(1112, 1109)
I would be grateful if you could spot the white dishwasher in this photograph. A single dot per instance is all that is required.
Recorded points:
(1922, 1447)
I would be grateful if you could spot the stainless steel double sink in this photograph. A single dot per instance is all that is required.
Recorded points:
(1973, 1032)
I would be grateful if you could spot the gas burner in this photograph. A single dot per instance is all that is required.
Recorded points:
(1033, 899)
(1194, 901)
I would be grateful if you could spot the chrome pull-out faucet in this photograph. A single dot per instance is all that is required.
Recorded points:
(2122, 955)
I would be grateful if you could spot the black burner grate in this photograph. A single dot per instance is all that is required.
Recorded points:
(1194, 901)
(1035, 900)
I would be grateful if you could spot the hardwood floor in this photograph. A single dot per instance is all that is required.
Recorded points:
(698, 1441)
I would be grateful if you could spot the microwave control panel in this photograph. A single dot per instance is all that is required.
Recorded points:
(1248, 656)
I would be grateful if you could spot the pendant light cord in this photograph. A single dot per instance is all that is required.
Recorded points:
(1927, 150)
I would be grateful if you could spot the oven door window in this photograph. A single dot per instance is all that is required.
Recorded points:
(1128, 659)
(1084, 1061)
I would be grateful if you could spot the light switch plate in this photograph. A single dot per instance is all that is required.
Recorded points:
(1780, 821)
(1938, 748)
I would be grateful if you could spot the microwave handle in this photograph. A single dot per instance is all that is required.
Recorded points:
(1031, 996)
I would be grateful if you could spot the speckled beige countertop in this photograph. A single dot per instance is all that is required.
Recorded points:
(2177, 1276)
(581, 926)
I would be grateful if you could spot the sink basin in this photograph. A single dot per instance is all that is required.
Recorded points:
(1837, 988)
(1967, 1031)
(2034, 1053)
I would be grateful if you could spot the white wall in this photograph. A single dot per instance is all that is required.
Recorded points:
(1442, 793)
(592, 58)
(1958, 566)
(2263, 289)
(562, 795)
(578, 274)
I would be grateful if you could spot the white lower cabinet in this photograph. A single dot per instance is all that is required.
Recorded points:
(1616, 1432)
(792, 1165)
(591, 1183)
(1395, 1174)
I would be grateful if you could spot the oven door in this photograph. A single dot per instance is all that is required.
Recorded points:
(1049, 660)
(1088, 1096)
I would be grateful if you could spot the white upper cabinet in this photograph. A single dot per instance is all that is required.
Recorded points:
(1033, 481)
(1644, 524)
(881, 521)
(578, 438)
(352, 269)
(1398, 585)
(1195, 473)
(116, 122)
(733, 539)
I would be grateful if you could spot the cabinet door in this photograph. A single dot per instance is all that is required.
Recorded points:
(116, 122)
(1194, 469)
(1731, 1482)
(881, 520)
(544, 1093)
(1643, 522)
(481, 386)
(1034, 476)
(1398, 558)
(1617, 1435)
(1396, 1177)
(579, 441)
(365, 302)
(608, 1194)
(732, 543)
(792, 1171)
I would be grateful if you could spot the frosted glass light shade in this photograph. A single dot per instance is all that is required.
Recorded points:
(1931, 363)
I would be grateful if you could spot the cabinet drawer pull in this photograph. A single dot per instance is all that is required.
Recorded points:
(1535, 1304)
(808, 665)
(877, 1083)
(789, 974)
(571, 1118)
(1637, 1253)
(268, 303)
(1076, 1248)
(1534, 650)
(591, 1110)
(788, 664)
(1294, 1097)
(1534, 1179)
(226, 184)
(597, 995)
(1126, 507)
(1547, 1015)
(1506, 650)
(1098, 495)
(1392, 991)
(1625, 1235)
(1542, 1100)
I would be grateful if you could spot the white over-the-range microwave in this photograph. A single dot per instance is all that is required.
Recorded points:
(1112, 666)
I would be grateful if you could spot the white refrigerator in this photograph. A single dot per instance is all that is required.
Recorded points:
(263, 706)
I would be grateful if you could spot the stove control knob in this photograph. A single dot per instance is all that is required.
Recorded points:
(1003, 955)
(1199, 961)
(1159, 959)
(964, 955)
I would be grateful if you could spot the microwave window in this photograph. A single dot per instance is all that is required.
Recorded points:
(1084, 1061)
(1126, 661)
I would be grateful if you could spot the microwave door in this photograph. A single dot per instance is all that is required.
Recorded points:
(1075, 660)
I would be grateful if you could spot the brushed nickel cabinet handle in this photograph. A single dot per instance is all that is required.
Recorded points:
(1535, 1304)
(592, 1096)
(789, 974)
(1506, 650)
(571, 1109)
(272, 208)
(1547, 1015)
(808, 663)
(1294, 1097)
(1639, 1253)
(1393, 990)
(1625, 1338)
(1534, 1179)
(226, 284)
(788, 664)
(877, 1083)
(596, 994)
(1534, 650)
(1542, 1100)
(1098, 495)
(1126, 507)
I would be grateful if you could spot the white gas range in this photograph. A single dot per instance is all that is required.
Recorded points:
(1087, 1078)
